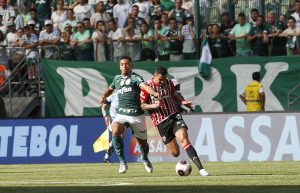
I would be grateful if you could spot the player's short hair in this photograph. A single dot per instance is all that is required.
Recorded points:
(161, 70)
(124, 57)
(256, 76)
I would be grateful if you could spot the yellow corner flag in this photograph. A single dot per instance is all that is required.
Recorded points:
(102, 142)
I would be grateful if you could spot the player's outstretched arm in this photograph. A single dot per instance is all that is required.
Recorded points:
(149, 89)
(188, 104)
(106, 94)
(147, 107)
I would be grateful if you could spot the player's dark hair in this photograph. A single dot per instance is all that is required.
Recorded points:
(161, 70)
(124, 57)
(256, 76)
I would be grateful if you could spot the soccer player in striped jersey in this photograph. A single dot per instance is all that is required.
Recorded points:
(166, 117)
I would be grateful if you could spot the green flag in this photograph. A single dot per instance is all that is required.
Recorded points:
(205, 60)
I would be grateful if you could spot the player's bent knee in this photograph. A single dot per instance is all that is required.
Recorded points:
(175, 154)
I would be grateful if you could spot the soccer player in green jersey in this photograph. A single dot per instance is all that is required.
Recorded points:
(129, 112)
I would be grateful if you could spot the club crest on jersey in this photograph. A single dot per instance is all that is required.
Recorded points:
(127, 82)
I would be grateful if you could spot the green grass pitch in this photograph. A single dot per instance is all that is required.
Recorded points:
(236, 177)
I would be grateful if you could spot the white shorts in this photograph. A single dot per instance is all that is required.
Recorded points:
(137, 124)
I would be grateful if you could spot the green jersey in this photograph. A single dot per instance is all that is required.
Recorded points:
(128, 89)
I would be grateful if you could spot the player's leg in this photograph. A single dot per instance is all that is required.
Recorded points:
(173, 147)
(182, 136)
(138, 125)
(118, 129)
(110, 147)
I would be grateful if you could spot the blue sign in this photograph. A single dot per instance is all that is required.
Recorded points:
(55, 140)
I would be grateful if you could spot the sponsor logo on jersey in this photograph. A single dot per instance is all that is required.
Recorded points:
(124, 90)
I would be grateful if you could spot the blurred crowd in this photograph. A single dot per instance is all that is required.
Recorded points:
(162, 30)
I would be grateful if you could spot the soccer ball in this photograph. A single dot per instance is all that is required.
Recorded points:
(183, 168)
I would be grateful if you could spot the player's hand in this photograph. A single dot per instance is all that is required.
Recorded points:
(188, 104)
(107, 118)
(102, 100)
(156, 104)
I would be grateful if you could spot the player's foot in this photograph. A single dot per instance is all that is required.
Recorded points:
(148, 165)
(203, 172)
(123, 167)
(106, 161)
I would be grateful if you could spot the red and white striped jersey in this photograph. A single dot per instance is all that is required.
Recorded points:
(168, 106)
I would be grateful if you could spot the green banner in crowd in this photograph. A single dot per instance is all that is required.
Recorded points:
(73, 88)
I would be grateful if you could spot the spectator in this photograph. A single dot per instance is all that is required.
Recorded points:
(59, 15)
(34, 17)
(65, 50)
(43, 12)
(218, 44)
(83, 10)
(189, 46)
(147, 37)
(282, 19)
(49, 39)
(100, 14)
(99, 41)
(120, 12)
(175, 37)
(87, 25)
(253, 17)
(292, 34)
(239, 33)
(256, 37)
(115, 41)
(109, 6)
(82, 43)
(25, 14)
(135, 14)
(189, 5)
(30, 41)
(144, 6)
(155, 11)
(70, 20)
(6, 11)
(209, 30)
(164, 20)
(178, 12)
(12, 35)
(225, 29)
(296, 14)
(132, 37)
(3, 28)
(163, 43)
(271, 34)
(31, 25)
